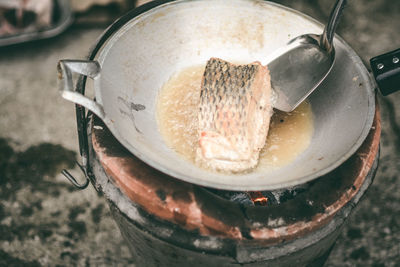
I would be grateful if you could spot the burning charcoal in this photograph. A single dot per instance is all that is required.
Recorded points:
(258, 198)
(271, 197)
(262, 198)
(282, 195)
(241, 198)
(237, 197)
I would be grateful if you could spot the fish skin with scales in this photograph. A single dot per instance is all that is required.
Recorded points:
(234, 114)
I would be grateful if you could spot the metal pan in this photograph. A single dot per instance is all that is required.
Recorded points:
(139, 57)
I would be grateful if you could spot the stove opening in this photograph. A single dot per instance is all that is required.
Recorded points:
(261, 198)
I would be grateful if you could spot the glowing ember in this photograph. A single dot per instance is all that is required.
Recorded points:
(258, 198)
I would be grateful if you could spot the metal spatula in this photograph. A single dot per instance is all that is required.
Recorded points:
(298, 68)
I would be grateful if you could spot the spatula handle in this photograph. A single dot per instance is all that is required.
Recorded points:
(330, 28)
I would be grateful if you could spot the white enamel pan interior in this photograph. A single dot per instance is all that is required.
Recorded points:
(143, 54)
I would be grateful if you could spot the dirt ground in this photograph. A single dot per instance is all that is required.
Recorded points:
(45, 221)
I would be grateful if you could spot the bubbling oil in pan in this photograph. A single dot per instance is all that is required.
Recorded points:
(177, 107)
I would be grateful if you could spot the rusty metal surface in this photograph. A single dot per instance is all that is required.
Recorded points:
(150, 250)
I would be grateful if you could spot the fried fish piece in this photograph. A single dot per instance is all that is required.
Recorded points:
(234, 114)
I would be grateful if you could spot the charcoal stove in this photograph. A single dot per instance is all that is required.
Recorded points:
(168, 222)
(171, 222)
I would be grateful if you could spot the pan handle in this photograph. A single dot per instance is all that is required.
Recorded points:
(88, 68)
(386, 70)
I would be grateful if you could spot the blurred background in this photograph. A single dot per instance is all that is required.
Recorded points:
(46, 221)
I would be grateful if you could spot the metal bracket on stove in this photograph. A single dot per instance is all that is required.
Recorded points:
(81, 120)
(73, 180)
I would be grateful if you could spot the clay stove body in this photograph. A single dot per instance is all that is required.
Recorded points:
(168, 222)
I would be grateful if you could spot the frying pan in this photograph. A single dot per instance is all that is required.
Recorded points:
(140, 56)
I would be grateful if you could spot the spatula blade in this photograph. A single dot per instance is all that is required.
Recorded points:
(298, 71)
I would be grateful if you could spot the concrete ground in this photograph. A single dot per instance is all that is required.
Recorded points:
(45, 221)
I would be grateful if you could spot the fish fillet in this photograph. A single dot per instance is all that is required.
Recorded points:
(234, 114)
